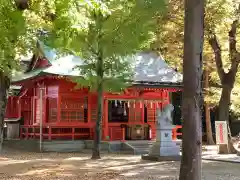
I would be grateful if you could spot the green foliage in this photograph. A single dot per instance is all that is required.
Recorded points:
(117, 74)
(219, 15)
(111, 30)
(12, 23)
(216, 13)
(169, 34)
(19, 31)
(169, 40)
(227, 11)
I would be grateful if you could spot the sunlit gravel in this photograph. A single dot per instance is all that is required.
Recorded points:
(15, 165)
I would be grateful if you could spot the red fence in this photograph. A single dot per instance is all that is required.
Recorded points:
(57, 132)
(175, 132)
(116, 132)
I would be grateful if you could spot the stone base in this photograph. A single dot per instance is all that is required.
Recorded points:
(238, 153)
(161, 158)
(164, 148)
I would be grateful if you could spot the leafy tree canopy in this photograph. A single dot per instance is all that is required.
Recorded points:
(12, 30)
(112, 29)
(219, 15)
(20, 23)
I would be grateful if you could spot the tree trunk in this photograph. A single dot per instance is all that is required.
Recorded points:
(210, 140)
(227, 79)
(223, 115)
(191, 163)
(97, 140)
(98, 128)
(4, 86)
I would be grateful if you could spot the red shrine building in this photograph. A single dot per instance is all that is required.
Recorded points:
(46, 93)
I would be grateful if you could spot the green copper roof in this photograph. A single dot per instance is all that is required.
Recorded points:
(64, 66)
(24, 76)
(50, 54)
(148, 67)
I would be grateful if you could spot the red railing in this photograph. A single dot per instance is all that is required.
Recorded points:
(175, 132)
(116, 132)
(57, 132)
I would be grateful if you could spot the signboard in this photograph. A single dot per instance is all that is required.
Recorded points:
(221, 132)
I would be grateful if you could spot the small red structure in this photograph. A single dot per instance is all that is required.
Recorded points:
(70, 113)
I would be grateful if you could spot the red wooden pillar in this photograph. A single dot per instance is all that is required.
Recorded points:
(89, 115)
(59, 109)
(32, 113)
(44, 106)
(73, 133)
(49, 133)
(11, 104)
(89, 108)
(37, 106)
(132, 112)
(34, 106)
(105, 124)
(168, 96)
(138, 113)
(165, 96)
(142, 111)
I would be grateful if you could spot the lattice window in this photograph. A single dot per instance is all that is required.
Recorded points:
(151, 112)
(132, 112)
(93, 102)
(64, 116)
(138, 112)
(74, 109)
(94, 113)
(52, 109)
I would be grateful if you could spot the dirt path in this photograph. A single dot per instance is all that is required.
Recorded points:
(35, 166)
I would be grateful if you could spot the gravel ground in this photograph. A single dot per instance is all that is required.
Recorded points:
(25, 166)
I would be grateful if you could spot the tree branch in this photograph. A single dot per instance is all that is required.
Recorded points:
(215, 85)
(218, 56)
(233, 53)
(232, 38)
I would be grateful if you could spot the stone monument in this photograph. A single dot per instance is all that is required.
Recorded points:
(164, 148)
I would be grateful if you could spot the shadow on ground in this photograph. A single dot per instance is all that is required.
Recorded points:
(20, 165)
